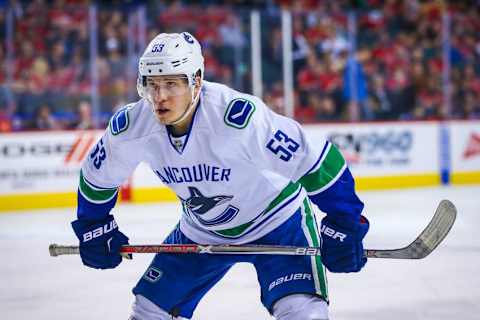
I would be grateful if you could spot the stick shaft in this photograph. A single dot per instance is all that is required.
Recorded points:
(56, 250)
(422, 246)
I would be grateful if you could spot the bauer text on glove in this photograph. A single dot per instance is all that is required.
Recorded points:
(100, 242)
(342, 247)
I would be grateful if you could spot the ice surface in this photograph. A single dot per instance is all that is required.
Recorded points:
(445, 285)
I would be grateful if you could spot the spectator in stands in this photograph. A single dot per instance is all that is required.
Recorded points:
(84, 119)
(401, 94)
(272, 56)
(274, 98)
(378, 100)
(325, 108)
(300, 47)
(428, 102)
(31, 87)
(309, 78)
(44, 119)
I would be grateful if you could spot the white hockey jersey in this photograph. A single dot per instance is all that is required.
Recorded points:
(236, 171)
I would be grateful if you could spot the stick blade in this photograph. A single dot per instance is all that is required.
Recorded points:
(436, 230)
(428, 240)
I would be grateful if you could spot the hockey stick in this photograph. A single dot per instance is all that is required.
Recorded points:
(425, 243)
(428, 239)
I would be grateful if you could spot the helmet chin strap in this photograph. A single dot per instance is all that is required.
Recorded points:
(189, 109)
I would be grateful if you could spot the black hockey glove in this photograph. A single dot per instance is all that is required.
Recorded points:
(100, 242)
(342, 247)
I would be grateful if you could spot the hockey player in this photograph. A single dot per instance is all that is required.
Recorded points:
(243, 173)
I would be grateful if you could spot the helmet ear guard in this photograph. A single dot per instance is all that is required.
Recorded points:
(141, 84)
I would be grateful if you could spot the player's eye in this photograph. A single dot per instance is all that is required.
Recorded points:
(172, 84)
(152, 85)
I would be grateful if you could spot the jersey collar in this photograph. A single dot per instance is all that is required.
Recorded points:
(190, 127)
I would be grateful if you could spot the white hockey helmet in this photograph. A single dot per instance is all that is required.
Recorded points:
(170, 54)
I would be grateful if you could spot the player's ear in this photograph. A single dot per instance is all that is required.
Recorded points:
(198, 79)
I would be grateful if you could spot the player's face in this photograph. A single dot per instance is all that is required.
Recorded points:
(170, 96)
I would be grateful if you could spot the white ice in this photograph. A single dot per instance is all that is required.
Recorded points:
(445, 285)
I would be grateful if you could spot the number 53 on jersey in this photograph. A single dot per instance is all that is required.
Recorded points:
(282, 145)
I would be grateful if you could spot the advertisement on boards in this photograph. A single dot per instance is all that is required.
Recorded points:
(373, 149)
(43, 162)
(465, 146)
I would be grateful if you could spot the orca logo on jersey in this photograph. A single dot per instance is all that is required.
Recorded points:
(198, 204)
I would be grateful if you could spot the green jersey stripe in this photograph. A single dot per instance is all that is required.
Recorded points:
(326, 148)
(327, 173)
(95, 194)
(234, 232)
(335, 179)
(284, 194)
(310, 229)
(283, 197)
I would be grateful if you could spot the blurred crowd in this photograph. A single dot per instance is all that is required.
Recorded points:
(398, 66)
(394, 70)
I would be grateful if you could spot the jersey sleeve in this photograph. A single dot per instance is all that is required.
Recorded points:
(109, 163)
(331, 186)
(283, 147)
